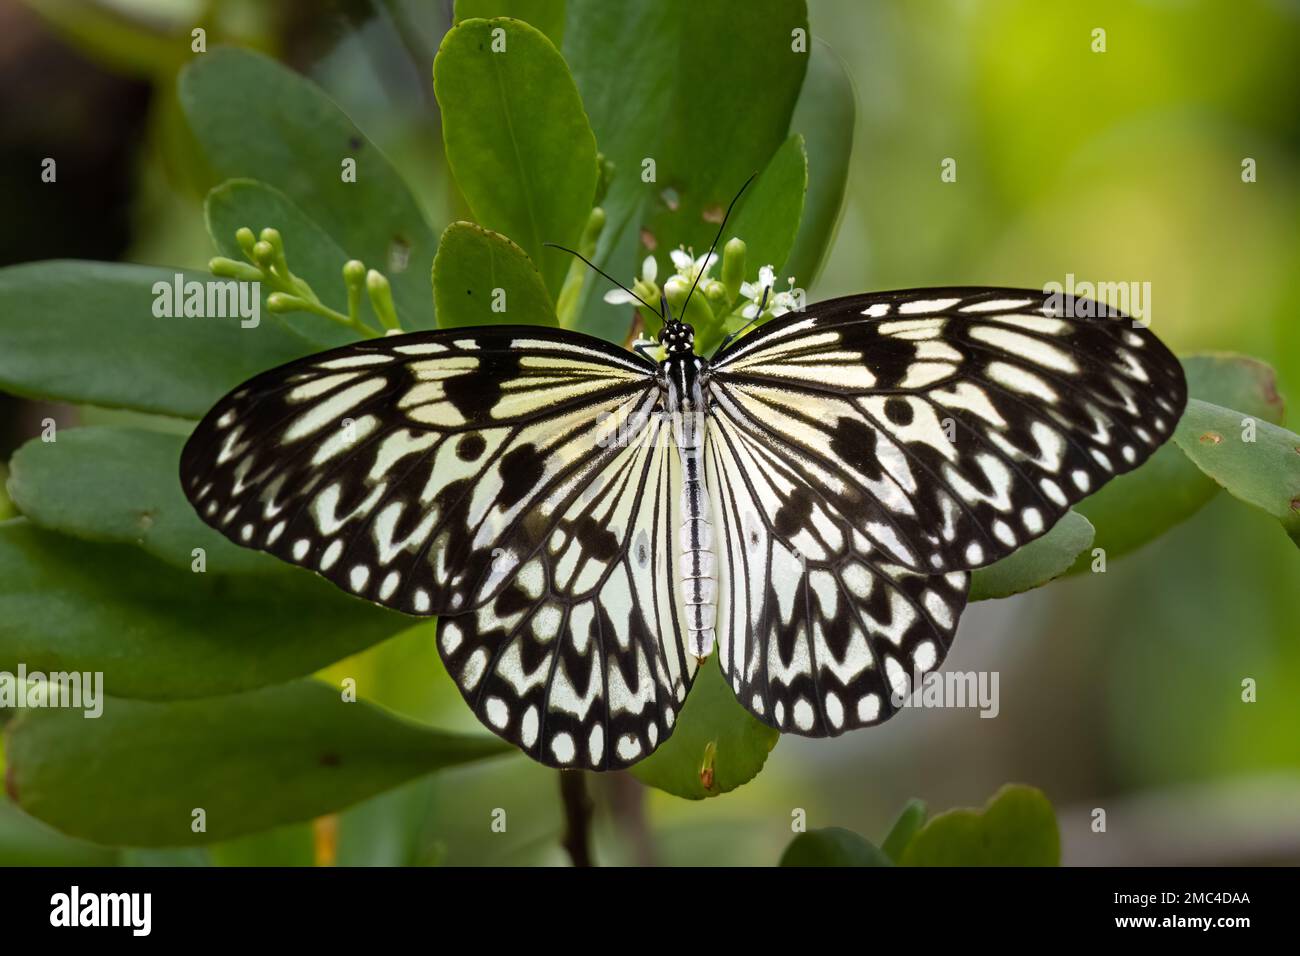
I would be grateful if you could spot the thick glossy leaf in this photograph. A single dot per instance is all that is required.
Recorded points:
(546, 15)
(480, 278)
(767, 216)
(86, 332)
(909, 822)
(312, 255)
(28, 842)
(824, 116)
(833, 846)
(257, 119)
(1255, 461)
(709, 114)
(716, 746)
(1235, 381)
(158, 632)
(120, 485)
(1017, 827)
(516, 137)
(1038, 562)
(767, 219)
(250, 761)
(1141, 505)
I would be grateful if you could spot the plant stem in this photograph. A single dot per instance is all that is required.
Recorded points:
(577, 816)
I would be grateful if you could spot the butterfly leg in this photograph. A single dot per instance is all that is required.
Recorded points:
(644, 347)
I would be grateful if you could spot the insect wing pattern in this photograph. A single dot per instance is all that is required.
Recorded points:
(524, 485)
(513, 481)
(869, 452)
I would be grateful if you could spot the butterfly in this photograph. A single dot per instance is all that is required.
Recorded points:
(590, 525)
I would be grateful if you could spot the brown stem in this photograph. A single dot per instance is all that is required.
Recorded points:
(577, 816)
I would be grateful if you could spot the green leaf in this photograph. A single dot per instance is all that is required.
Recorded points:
(833, 846)
(767, 217)
(824, 116)
(471, 265)
(905, 827)
(86, 332)
(249, 761)
(291, 845)
(1235, 381)
(28, 842)
(1017, 827)
(1254, 460)
(516, 137)
(1038, 562)
(716, 746)
(158, 632)
(120, 485)
(312, 255)
(546, 15)
(1167, 489)
(256, 119)
(709, 113)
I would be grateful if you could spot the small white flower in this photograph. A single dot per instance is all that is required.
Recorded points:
(689, 269)
(649, 272)
(618, 297)
(778, 303)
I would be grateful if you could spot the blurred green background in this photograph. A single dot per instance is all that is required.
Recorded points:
(1119, 691)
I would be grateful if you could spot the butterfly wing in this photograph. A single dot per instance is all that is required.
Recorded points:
(477, 474)
(868, 452)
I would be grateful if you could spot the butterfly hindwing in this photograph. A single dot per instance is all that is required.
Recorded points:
(581, 658)
(817, 630)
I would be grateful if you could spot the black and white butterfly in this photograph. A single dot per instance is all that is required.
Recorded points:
(588, 524)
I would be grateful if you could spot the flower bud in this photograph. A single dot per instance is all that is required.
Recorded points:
(354, 272)
(716, 293)
(381, 299)
(233, 269)
(273, 237)
(264, 254)
(733, 266)
(283, 302)
(696, 312)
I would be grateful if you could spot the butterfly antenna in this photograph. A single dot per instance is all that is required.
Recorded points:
(721, 226)
(572, 252)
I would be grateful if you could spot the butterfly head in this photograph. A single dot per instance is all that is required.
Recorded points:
(677, 337)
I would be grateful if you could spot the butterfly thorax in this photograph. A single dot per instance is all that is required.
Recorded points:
(685, 404)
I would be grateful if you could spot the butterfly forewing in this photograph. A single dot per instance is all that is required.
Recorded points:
(956, 424)
(865, 454)
(488, 469)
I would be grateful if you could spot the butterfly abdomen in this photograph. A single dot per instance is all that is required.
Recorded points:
(699, 576)
(698, 571)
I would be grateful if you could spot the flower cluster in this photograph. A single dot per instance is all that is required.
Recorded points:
(722, 305)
